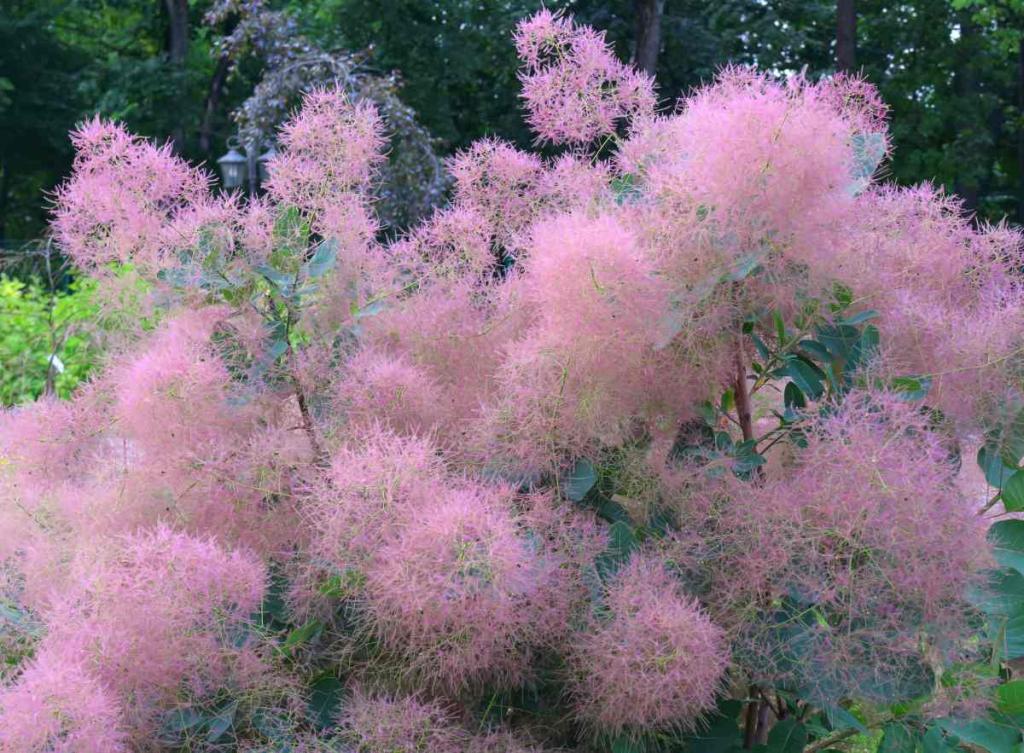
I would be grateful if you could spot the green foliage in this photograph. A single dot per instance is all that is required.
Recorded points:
(35, 326)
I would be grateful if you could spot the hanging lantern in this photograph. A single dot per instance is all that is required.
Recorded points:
(232, 167)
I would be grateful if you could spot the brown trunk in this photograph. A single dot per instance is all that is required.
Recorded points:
(213, 97)
(1020, 130)
(846, 35)
(177, 51)
(648, 34)
(744, 413)
(966, 183)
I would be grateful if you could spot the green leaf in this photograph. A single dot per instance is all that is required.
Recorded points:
(620, 547)
(1013, 492)
(997, 473)
(1002, 595)
(302, 634)
(1011, 440)
(745, 265)
(723, 731)
(625, 744)
(1010, 697)
(1007, 540)
(859, 318)
(788, 736)
(282, 281)
(840, 719)
(624, 188)
(221, 723)
(581, 479)
(934, 741)
(990, 735)
(181, 720)
(793, 396)
(807, 377)
(325, 700)
(746, 458)
(897, 738)
(912, 388)
(1009, 635)
(323, 259)
(868, 151)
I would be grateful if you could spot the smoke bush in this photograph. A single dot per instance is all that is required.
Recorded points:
(662, 428)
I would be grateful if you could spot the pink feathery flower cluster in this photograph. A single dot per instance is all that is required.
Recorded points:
(332, 147)
(376, 723)
(575, 89)
(856, 538)
(586, 369)
(651, 660)
(141, 620)
(57, 706)
(454, 585)
(123, 195)
(462, 595)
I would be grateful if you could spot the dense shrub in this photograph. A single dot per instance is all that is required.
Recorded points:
(653, 443)
(33, 326)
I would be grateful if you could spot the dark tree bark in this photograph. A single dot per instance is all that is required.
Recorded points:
(648, 34)
(967, 184)
(846, 35)
(213, 98)
(1020, 130)
(3, 202)
(177, 51)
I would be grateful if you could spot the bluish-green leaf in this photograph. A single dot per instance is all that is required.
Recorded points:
(897, 738)
(997, 473)
(323, 259)
(788, 736)
(221, 722)
(912, 388)
(1007, 540)
(985, 733)
(325, 700)
(934, 741)
(868, 151)
(302, 634)
(840, 719)
(1013, 492)
(808, 378)
(859, 318)
(580, 480)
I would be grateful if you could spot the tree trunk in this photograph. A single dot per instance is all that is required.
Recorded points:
(967, 183)
(648, 34)
(177, 51)
(1020, 130)
(846, 35)
(4, 182)
(213, 97)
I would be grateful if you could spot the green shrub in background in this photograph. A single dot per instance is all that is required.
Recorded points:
(36, 325)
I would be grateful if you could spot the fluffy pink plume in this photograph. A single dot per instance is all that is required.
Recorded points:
(651, 661)
(376, 723)
(587, 371)
(57, 706)
(574, 88)
(122, 197)
(330, 148)
(462, 595)
(153, 615)
(857, 533)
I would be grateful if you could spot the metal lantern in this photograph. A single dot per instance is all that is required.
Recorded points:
(233, 167)
(263, 163)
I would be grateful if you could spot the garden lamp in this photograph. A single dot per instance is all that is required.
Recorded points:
(232, 166)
